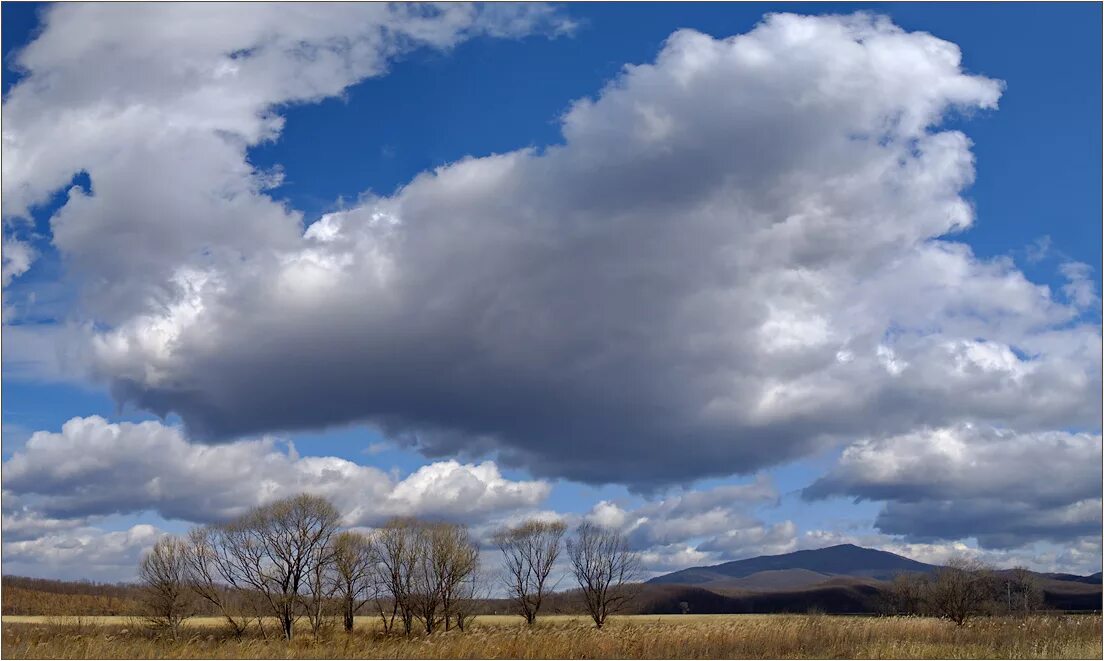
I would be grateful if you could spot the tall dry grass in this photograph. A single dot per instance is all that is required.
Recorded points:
(632, 637)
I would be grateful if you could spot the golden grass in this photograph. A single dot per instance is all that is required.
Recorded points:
(632, 637)
(363, 622)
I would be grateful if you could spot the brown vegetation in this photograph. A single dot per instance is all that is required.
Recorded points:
(716, 636)
(288, 560)
(167, 600)
(40, 596)
(278, 553)
(965, 589)
(26, 596)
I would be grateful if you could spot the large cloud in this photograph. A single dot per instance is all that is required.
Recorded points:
(737, 255)
(158, 104)
(1004, 488)
(96, 468)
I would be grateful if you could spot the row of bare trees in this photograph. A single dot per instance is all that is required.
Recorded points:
(289, 561)
(605, 569)
(966, 588)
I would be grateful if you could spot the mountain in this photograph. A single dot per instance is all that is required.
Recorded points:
(835, 579)
(834, 596)
(797, 569)
(1091, 578)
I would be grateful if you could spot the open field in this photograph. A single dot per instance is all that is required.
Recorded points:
(675, 636)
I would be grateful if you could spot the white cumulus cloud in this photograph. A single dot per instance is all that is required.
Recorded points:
(96, 468)
(1003, 487)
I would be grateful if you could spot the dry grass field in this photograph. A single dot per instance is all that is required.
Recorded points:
(634, 637)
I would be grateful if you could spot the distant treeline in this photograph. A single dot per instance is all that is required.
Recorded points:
(21, 595)
(40, 596)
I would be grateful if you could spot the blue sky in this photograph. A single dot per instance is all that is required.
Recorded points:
(1035, 195)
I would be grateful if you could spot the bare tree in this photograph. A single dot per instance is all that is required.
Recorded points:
(386, 606)
(445, 558)
(456, 562)
(907, 593)
(530, 551)
(272, 552)
(321, 587)
(605, 568)
(1022, 592)
(399, 554)
(166, 594)
(470, 591)
(425, 597)
(354, 573)
(280, 546)
(211, 583)
(961, 589)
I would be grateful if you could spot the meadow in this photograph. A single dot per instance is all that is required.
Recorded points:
(574, 637)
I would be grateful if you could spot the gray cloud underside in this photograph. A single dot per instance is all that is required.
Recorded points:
(61, 486)
(1005, 488)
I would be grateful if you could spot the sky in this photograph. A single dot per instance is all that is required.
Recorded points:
(734, 279)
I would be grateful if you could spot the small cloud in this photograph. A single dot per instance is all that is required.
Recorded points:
(1079, 287)
(1038, 249)
(17, 259)
(375, 448)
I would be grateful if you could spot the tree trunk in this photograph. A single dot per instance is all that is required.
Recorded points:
(348, 614)
(286, 624)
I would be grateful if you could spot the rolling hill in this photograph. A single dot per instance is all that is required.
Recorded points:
(836, 579)
(797, 569)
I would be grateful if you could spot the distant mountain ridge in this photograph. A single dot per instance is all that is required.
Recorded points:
(833, 561)
(1077, 578)
(836, 579)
